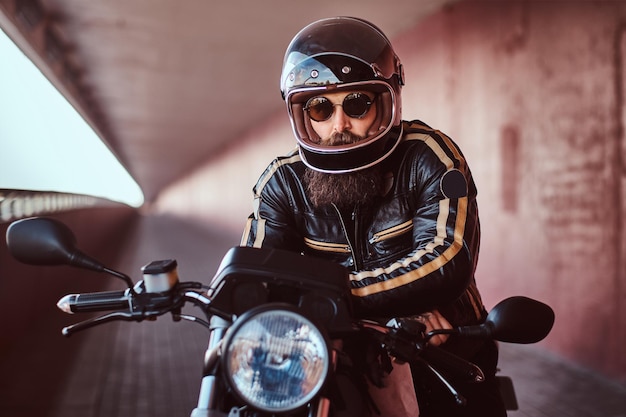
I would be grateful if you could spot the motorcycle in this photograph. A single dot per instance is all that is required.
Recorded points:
(278, 326)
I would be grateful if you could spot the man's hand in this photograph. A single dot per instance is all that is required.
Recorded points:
(433, 320)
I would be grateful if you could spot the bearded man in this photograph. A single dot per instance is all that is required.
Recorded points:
(393, 201)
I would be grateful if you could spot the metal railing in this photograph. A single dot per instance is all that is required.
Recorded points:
(17, 204)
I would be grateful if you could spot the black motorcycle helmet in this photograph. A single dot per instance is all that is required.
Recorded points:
(343, 53)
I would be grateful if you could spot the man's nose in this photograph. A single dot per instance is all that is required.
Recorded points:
(341, 121)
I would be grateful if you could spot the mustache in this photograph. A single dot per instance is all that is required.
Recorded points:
(341, 138)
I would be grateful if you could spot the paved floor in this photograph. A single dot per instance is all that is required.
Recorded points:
(546, 385)
(152, 369)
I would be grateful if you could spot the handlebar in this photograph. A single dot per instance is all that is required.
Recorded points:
(135, 304)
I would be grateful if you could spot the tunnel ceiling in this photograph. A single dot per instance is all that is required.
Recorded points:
(169, 83)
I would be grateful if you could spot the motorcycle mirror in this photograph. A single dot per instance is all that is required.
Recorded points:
(520, 320)
(46, 241)
(514, 320)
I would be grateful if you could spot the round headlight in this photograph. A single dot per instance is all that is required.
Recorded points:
(275, 360)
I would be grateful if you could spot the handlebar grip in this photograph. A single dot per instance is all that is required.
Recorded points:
(95, 301)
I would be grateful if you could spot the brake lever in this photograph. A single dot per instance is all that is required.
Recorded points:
(116, 315)
(452, 364)
(458, 398)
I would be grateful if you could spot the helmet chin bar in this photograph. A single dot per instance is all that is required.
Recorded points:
(342, 161)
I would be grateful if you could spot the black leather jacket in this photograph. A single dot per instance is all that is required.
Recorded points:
(410, 251)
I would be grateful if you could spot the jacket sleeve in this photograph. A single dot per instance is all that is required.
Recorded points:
(439, 269)
(272, 223)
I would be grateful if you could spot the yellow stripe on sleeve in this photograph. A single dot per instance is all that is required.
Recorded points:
(425, 269)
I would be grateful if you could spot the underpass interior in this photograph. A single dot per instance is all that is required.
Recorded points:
(532, 91)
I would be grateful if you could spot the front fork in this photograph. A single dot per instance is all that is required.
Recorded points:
(208, 395)
(322, 406)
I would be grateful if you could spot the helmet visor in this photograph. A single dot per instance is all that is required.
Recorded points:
(307, 105)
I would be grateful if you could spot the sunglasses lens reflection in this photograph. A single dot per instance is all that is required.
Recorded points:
(355, 105)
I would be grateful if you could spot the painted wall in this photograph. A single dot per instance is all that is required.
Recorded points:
(533, 93)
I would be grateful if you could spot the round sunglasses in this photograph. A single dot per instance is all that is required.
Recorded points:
(355, 105)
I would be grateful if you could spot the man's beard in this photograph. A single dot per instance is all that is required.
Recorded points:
(344, 190)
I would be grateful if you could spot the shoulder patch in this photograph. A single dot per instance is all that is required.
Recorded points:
(453, 184)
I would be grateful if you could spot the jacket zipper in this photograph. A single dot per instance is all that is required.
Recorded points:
(345, 232)
(327, 247)
(357, 249)
(392, 232)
